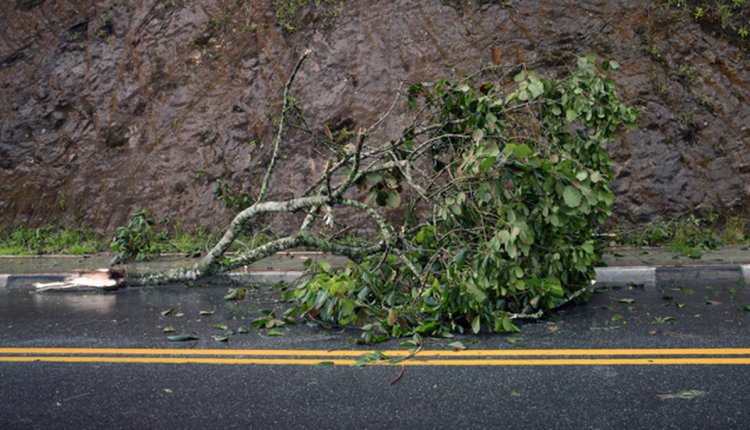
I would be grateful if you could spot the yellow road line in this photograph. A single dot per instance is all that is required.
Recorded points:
(455, 362)
(390, 353)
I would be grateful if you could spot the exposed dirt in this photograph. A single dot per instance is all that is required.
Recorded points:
(107, 107)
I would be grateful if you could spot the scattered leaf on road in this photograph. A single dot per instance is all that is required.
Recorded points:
(243, 330)
(516, 341)
(168, 329)
(204, 313)
(745, 308)
(274, 332)
(712, 302)
(181, 338)
(168, 312)
(515, 394)
(627, 301)
(220, 338)
(179, 315)
(326, 364)
(168, 390)
(236, 294)
(687, 395)
(220, 326)
(664, 320)
(457, 346)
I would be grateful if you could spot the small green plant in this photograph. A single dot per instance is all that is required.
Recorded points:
(136, 241)
(230, 199)
(728, 17)
(107, 26)
(690, 235)
(50, 240)
(692, 239)
(289, 13)
(735, 231)
(686, 73)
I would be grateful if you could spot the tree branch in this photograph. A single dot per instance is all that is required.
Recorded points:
(282, 126)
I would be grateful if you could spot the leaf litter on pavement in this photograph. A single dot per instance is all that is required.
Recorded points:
(685, 395)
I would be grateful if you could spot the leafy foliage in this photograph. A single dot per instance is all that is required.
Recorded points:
(515, 183)
(49, 240)
(691, 236)
(731, 17)
(137, 240)
(233, 200)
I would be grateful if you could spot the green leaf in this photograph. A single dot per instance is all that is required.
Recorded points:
(572, 196)
(627, 301)
(275, 332)
(374, 178)
(582, 175)
(243, 330)
(220, 326)
(570, 115)
(220, 338)
(477, 135)
(457, 346)
(522, 151)
(326, 364)
(745, 308)
(663, 320)
(487, 163)
(476, 324)
(393, 200)
(536, 89)
(460, 259)
(236, 294)
(168, 329)
(685, 395)
(181, 338)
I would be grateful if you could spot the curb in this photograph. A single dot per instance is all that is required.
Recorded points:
(646, 276)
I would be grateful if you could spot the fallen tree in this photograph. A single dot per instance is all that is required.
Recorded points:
(503, 180)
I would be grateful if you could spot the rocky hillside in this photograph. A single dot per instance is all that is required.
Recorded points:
(107, 107)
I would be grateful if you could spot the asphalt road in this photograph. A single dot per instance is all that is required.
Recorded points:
(599, 365)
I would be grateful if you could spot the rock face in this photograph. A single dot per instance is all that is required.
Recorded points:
(107, 107)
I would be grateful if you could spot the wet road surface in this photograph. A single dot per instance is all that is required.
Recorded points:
(675, 356)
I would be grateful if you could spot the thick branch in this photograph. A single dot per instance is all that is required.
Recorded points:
(209, 263)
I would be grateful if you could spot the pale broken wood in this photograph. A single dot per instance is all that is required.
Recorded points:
(98, 279)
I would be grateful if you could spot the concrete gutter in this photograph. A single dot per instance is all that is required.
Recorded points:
(644, 276)
(647, 267)
(626, 275)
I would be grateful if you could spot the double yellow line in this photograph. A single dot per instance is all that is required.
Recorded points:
(528, 357)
